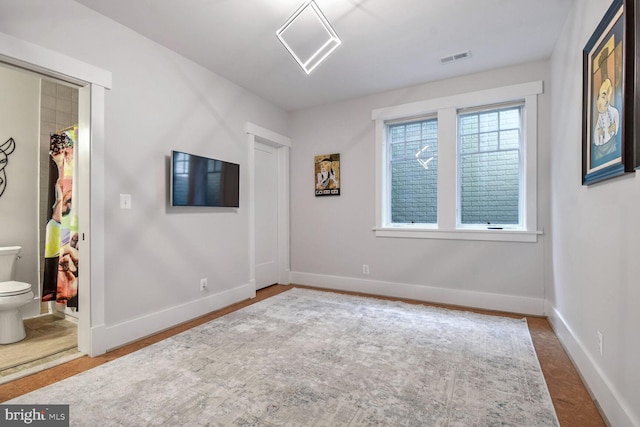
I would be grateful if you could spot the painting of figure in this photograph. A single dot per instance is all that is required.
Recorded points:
(608, 110)
(606, 87)
(327, 175)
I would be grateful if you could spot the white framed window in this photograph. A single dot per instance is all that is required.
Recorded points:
(412, 150)
(489, 166)
(459, 167)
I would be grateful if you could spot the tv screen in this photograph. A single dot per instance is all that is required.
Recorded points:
(201, 181)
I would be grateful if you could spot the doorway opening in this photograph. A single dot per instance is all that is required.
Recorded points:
(92, 82)
(35, 108)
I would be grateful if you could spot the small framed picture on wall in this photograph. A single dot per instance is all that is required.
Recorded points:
(327, 175)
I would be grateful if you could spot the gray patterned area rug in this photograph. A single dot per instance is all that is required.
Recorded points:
(312, 358)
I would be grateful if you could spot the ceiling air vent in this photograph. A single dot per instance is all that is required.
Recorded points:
(455, 57)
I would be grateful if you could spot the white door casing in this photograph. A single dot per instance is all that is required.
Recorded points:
(261, 137)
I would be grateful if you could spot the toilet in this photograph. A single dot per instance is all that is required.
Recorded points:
(12, 296)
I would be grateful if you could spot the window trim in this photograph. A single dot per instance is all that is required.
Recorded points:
(447, 109)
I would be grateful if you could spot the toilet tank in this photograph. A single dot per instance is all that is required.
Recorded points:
(8, 256)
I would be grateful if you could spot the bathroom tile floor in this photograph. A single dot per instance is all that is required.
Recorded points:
(50, 340)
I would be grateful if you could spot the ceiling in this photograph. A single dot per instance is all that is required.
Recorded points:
(387, 44)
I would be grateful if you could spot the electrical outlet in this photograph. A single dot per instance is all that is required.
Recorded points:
(365, 268)
(204, 284)
(600, 342)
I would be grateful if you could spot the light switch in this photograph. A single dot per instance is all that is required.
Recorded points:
(125, 201)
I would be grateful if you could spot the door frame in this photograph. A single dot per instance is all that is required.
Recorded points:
(282, 144)
(93, 83)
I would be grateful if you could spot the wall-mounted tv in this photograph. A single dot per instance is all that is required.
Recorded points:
(201, 181)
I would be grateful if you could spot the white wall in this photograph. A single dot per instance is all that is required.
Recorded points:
(596, 273)
(332, 237)
(155, 255)
(19, 119)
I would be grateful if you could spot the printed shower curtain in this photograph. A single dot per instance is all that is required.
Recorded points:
(60, 282)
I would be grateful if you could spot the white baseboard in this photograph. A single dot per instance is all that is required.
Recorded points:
(483, 300)
(105, 338)
(614, 409)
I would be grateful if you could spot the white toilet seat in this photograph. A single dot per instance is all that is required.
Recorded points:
(13, 288)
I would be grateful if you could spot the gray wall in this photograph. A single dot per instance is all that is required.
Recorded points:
(585, 266)
(160, 101)
(332, 237)
(596, 285)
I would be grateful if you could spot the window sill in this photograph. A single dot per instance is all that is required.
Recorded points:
(486, 235)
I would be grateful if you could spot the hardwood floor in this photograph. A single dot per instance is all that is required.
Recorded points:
(571, 399)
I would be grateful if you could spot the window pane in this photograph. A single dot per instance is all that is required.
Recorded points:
(413, 132)
(489, 178)
(469, 143)
(488, 122)
(413, 171)
(469, 124)
(510, 139)
(510, 119)
(490, 188)
(397, 151)
(414, 197)
(413, 147)
(488, 141)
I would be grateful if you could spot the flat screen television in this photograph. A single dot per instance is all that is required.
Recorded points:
(201, 181)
